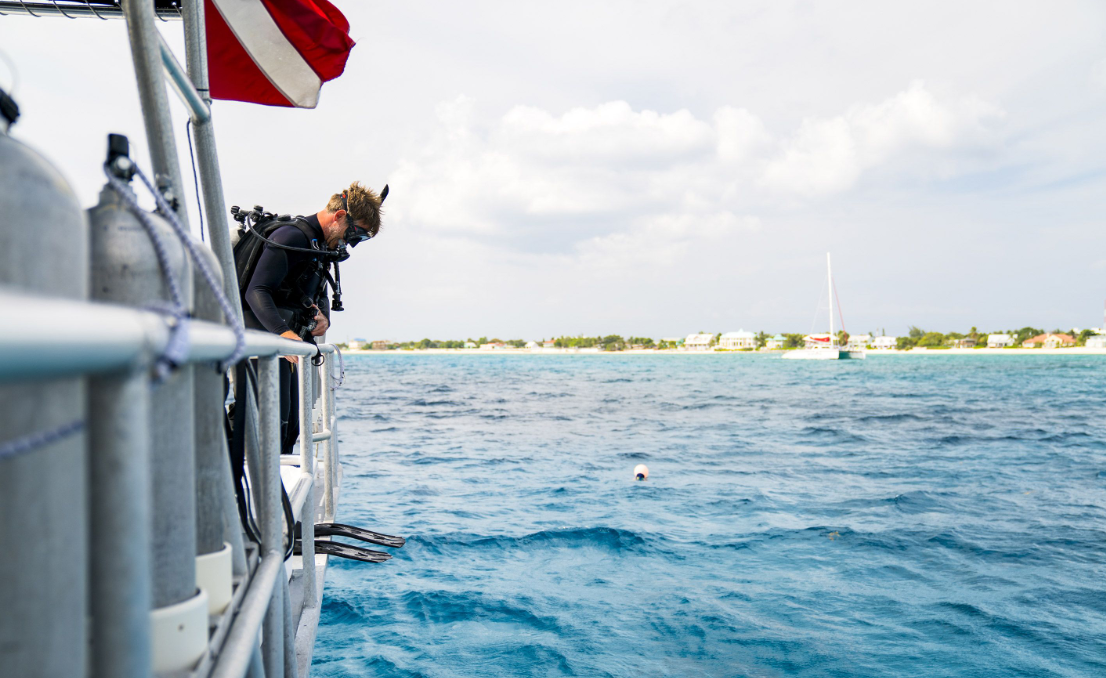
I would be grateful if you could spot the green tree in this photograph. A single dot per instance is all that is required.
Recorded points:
(932, 340)
(793, 340)
(612, 342)
(1026, 333)
(916, 333)
(761, 339)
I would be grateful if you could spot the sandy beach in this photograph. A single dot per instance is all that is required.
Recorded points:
(873, 353)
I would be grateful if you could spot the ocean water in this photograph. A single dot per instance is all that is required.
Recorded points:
(901, 516)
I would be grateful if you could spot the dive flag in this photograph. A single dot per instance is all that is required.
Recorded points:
(274, 52)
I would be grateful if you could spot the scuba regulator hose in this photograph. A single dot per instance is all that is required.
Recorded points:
(249, 221)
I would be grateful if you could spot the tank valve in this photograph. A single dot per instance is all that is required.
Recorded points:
(119, 160)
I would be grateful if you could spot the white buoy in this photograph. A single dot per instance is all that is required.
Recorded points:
(641, 472)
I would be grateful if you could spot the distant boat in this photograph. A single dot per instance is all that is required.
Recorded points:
(825, 346)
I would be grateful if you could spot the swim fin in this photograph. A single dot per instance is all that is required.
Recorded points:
(340, 530)
(334, 548)
(352, 532)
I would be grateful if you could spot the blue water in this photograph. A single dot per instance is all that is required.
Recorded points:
(902, 516)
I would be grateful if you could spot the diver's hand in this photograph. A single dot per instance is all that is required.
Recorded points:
(321, 323)
(294, 359)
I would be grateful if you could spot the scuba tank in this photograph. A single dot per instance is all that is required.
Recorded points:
(43, 497)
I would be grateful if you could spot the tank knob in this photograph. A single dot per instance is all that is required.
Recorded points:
(9, 110)
(119, 161)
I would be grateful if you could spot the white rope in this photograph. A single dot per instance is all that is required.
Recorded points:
(19, 446)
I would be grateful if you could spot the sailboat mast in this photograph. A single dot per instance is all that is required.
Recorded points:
(829, 273)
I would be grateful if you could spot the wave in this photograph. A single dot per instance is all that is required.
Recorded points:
(447, 607)
(835, 433)
(892, 418)
(605, 538)
(916, 502)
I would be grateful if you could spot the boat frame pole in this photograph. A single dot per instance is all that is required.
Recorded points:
(272, 513)
(195, 48)
(146, 54)
(307, 372)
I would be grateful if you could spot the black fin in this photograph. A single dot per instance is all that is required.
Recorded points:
(334, 548)
(352, 532)
(384, 194)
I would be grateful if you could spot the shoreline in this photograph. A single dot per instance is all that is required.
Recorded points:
(561, 352)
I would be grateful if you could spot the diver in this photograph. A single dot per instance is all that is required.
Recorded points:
(284, 267)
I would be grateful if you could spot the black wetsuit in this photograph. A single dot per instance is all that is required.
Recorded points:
(260, 310)
(273, 266)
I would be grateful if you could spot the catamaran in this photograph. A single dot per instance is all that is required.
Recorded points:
(826, 346)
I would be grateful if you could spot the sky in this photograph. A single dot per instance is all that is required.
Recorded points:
(660, 168)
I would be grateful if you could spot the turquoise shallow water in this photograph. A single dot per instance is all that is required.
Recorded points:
(905, 515)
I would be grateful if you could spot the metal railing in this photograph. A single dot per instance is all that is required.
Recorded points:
(111, 350)
(80, 9)
(108, 342)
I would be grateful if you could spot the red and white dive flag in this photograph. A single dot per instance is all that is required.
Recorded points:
(274, 52)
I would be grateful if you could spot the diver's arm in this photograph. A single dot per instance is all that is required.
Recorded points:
(272, 267)
(268, 275)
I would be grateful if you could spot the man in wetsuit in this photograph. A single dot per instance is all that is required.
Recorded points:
(350, 217)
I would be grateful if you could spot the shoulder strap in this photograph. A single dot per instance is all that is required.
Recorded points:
(248, 249)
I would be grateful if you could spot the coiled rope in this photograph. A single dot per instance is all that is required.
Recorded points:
(176, 351)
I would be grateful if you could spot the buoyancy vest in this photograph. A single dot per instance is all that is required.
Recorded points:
(303, 287)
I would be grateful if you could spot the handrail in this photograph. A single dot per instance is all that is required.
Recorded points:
(116, 345)
(240, 644)
(76, 337)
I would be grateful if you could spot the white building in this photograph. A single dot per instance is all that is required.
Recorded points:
(999, 340)
(470, 344)
(1096, 341)
(549, 343)
(357, 344)
(532, 345)
(859, 342)
(698, 342)
(885, 343)
(776, 343)
(737, 340)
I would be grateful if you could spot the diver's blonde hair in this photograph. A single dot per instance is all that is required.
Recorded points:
(364, 206)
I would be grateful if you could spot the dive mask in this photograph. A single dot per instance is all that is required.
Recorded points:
(354, 234)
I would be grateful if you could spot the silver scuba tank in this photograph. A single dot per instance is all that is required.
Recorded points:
(43, 515)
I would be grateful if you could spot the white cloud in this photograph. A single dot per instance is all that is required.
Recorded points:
(611, 133)
(829, 155)
(596, 175)
(740, 134)
(660, 240)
